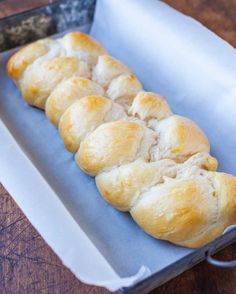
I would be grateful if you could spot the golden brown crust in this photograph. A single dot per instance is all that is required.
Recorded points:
(37, 85)
(113, 144)
(225, 193)
(149, 162)
(40, 66)
(189, 212)
(124, 88)
(18, 62)
(121, 186)
(86, 47)
(179, 138)
(75, 123)
(176, 211)
(148, 105)
(225, 185)
(108, 68)
(66, 93)
(84, 116)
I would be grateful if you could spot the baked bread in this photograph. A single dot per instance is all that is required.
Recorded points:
(121, 186)
(108, 68)
(84, 116)
(41, 66)
(118, 143)
(67, 93)
(145, 159)
(27, 55)
(189, 211)
(148, 106)
(125, 141)
(36, 85)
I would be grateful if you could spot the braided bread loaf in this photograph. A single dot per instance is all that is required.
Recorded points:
(146, 160)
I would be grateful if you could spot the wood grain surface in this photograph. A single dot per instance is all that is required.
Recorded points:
(218, 15)
(28, 265)
(9, 7)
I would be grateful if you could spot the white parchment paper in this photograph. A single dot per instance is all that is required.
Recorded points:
(171, 54)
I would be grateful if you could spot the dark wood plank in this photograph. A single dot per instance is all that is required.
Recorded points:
(217, 15)
(9, 7)
(28, 265)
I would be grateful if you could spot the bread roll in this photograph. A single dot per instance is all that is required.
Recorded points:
(200, 160)
(113, 144)
(83, 46)
(190, 211)
(178, 138)
(177, 209)
(21, 59)
(39, 67)
(108, 68)
(36, 85)
(67, 93)
(123, 185)
(124, 88)
(84, 116)
(148, 105)
(146, 160)
(225, 191)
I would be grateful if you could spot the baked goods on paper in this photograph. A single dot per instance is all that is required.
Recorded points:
(145, 159)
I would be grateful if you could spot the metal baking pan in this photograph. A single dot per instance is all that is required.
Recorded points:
(40, 22)
(57, 18)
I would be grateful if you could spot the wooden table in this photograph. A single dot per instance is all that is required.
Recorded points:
(28, 265)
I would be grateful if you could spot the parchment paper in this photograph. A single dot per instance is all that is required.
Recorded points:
(172, 55)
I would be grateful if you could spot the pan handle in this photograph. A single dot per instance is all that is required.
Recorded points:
(219, 263)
